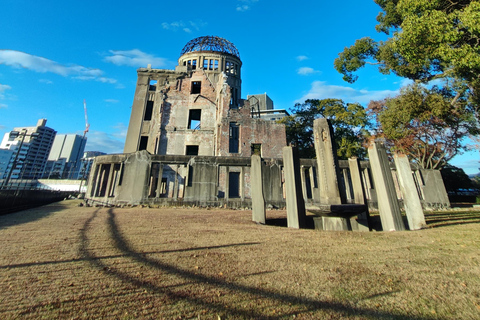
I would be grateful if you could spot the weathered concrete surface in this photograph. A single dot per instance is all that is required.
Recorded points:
(411, 201)
(135, 178)
(258, 201)
(204, 180)
(331, 224)
(360, 222)
(327, 165)
(357, 186)
(433, 189)
(293, 189)
(387, 198)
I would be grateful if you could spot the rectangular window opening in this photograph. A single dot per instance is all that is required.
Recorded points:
(196, 87)
(234, 184)
(234, 138)
(216, 64)
(148, 111)
(152, 85)
(233, 98)
(194, 118)
(211, 64)
(143, 143)
(192, 151)
(194, 64)
(205, 64)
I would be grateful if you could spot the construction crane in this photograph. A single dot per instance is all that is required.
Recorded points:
(87, 125)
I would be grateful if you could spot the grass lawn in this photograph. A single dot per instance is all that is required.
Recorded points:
(71, 262)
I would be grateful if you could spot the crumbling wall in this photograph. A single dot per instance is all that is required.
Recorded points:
(270, 135)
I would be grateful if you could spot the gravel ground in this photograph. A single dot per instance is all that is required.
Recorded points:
(72, 262)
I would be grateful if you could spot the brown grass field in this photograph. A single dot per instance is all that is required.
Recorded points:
(71, 262)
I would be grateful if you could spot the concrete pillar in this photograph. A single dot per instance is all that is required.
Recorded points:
(293, 186)
(411, 201)
(304, 184)
(242, 183)
(313, 182)
(159, 183)
(175, 184)
(227, 182)
(387, 197)
(258, 200)
(96, 179)
(361, 221)
(348, 190)
(327, 164)
(358, 195)
(109, 182)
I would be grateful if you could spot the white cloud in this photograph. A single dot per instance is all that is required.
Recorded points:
(46, 81)
(302, 58)
(305, 71)
(99, 79)
(246, 5)
(321, 90)
(135, 58)
(3, 106)
(18, 59)
(3, 87)
(120, 131)
(187, 27)
(243, 8)
(104, 142)
(111, 101)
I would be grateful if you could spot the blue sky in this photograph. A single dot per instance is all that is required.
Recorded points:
(54, 54)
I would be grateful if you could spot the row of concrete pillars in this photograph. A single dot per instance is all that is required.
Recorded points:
(332, 198)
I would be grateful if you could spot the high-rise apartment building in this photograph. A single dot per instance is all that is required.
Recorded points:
(31, 146)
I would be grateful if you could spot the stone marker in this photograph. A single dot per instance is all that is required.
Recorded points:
(360, 222)
(411, 201)
(387, 197)
(326, 162)
(293, 188)
(258, 201)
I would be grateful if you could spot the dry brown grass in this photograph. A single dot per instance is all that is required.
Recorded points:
(65, 261)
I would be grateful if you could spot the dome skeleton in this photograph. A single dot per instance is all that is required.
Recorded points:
(210, 43)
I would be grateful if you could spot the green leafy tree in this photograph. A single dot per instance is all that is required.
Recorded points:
(455, 179)
(428, 39)
(349, 121)
(421, 123)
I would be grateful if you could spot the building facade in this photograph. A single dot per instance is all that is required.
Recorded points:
(182, 122)
(197, 109)
(65, 157)
(31, 146)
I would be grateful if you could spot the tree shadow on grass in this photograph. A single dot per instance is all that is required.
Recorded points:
(30, 215)
(254, 293)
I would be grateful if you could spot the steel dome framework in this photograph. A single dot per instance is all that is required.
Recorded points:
(210, 43)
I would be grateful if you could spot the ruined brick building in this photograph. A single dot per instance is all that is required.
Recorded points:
(190, 135)
(197, 108)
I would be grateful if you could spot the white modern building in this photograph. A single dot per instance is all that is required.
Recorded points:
(65, 157)
(35, 143)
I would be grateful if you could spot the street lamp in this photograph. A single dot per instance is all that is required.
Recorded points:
(13, 135)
